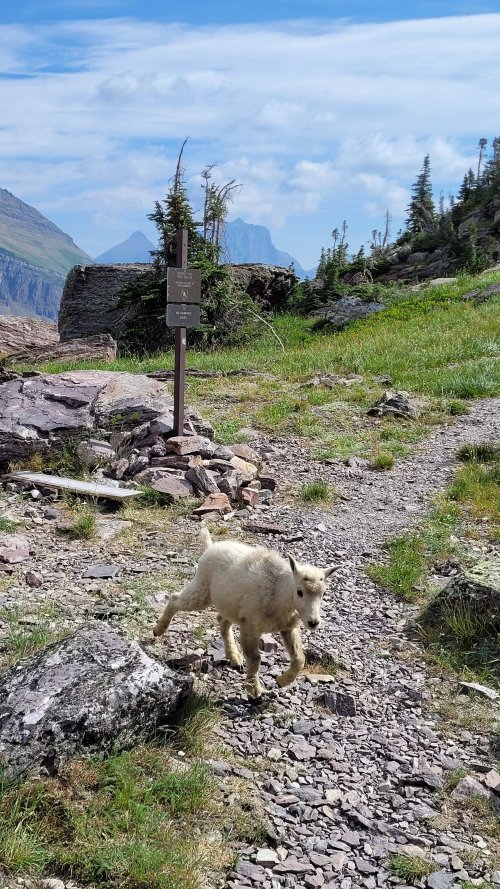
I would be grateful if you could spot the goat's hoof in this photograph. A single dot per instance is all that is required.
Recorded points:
(255, 702)
(283, 680)
(236, 663)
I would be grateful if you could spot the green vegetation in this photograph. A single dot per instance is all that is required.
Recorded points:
(22, 639)
(132, 820)
(411, 555)
(85, 522)
(6, 525)
(382, 460)
(477, 483)
(411, 867)
(194, 722)
(315, 492)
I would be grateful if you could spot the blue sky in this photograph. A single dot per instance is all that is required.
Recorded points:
(321, 116)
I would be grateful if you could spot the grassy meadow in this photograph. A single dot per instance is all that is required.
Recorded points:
(430, 343)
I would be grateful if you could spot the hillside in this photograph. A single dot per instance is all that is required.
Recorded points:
(27, 235)
(35, 256)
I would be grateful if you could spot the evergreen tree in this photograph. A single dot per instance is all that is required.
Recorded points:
(421, 212)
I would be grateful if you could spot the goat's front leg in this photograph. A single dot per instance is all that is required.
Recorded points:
(293, 643)
(250, 645)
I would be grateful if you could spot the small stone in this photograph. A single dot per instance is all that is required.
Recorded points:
(333, 795)
(440, 880)
(14, 548)
(33, 579)
(189, 444)
(247, 496)
(266, 857)
(51, 883)
(102, 571)
(274, 753)
(365, 867)
(293, 866)
(338, 861)
(468, 787)
(218, 503)
(495, 877)
(252, 871)
(247, 470)
(268, 643)
(339, 703)
(302, 751)
(202, 480)
(351, 838)
(244, 452)
(176, 488)
(492, 780)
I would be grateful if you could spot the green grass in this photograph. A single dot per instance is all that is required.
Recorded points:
(432, 343)
(6, 525)
(85, 522)
(21, 640)
(410, 556)
(134, 820)
(315, 492)
(477, 483)
(411, 867)
(193, 724)
(382, 460)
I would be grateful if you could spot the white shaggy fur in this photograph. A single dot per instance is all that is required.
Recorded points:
(260, 591)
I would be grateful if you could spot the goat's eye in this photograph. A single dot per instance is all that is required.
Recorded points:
(300, 593)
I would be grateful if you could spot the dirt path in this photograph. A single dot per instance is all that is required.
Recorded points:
(339, 794)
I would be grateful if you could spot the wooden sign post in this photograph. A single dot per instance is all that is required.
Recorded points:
(183, 310)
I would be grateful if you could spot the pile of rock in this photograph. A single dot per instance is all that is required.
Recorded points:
(179, 466)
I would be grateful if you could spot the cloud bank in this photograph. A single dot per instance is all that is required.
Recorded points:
(317, 121)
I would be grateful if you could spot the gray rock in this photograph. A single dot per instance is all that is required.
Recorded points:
(89, 692)
(202, 480)
(468, 787)
(94, 453)
(440, 879)
(346, 310)
(100, 570)
(397, 404)
(339, 703)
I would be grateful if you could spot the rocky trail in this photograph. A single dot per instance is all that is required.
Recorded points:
(353, 763)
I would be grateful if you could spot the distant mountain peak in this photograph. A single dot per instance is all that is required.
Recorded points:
(136, 248)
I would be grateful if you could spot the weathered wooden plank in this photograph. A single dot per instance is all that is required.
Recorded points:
(91, 489)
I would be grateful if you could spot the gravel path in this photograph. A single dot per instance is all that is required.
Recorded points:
(342, 793)
(348, 769)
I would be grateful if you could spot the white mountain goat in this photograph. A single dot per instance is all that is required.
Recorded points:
(260, 591)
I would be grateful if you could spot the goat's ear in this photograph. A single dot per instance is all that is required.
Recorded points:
(329, 571)
(293, 564)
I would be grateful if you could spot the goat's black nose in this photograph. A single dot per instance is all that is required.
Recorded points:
(313, 623)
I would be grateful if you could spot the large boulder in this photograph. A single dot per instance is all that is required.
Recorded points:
(90, 302)
(91, 692)
(41, 412)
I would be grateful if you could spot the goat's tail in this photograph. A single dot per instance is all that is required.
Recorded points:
(206, 540)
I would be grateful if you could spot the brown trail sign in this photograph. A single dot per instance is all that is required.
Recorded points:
(183, 310)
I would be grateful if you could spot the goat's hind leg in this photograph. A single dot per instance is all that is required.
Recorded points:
(293, 643)
(193, 597)
(250, 645)
(230, 648)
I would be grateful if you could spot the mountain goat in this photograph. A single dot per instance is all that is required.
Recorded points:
(260, 591)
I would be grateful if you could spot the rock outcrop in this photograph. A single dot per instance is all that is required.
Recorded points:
(37, 414)
(346, 310)
(27, 289)
(91, 692)
(89, 348)
(25, 334)
(90, 301)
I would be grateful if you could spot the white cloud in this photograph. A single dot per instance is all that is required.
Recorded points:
(305, 116)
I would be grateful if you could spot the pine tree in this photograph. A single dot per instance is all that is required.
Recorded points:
(422, 212)
(172, 214)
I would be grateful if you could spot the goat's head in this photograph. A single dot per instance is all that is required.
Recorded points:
(310, 585)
